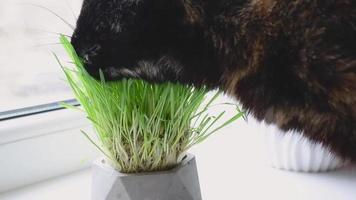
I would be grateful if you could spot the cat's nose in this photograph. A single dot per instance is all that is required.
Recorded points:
(89, 56)
(89, 53)
(86, 49)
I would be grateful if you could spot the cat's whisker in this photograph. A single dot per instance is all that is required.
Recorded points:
(52, 12)
(49, 32)
(71, 9)
(47, 44)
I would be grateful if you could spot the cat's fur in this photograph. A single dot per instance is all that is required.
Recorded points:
(291, 63)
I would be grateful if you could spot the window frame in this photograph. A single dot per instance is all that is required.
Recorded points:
(35, 110)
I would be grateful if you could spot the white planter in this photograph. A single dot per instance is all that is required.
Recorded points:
(292, 152)
(180, 183)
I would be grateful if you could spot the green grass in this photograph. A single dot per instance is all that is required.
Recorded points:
(143, 127)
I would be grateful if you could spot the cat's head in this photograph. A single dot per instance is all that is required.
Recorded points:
(156, 40)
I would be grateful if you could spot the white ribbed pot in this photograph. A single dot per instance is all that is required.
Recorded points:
(292, 152)
(180, 183)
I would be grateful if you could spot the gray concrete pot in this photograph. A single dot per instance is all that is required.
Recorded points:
(180, 183)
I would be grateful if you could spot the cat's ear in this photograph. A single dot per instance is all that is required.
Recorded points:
(193, 12)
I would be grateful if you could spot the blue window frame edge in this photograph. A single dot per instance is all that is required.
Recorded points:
(34, 110)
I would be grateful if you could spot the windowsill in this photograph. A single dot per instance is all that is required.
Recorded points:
(230, 166)
(74, 186)
(263, 184)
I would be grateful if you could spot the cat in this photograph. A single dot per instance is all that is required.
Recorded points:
(289, 63)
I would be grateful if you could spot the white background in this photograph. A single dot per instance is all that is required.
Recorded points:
(231, 164)
(29, 74)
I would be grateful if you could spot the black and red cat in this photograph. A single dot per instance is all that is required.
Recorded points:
(290, 63)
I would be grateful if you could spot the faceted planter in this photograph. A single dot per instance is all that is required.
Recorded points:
(180, 183)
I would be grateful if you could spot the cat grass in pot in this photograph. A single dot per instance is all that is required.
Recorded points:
(144, 130)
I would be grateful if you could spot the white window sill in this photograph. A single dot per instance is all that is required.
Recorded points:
(264, 184)
(230, 167)
(75, 186)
